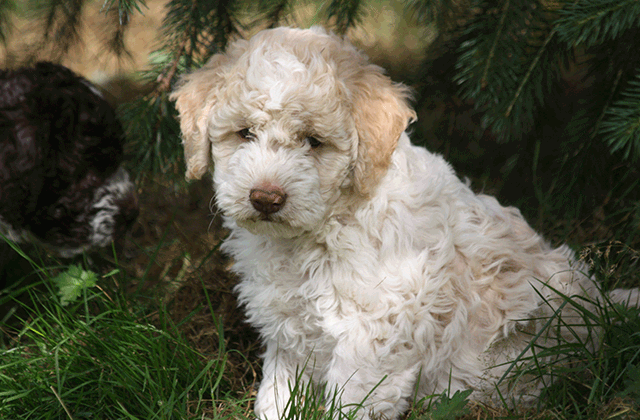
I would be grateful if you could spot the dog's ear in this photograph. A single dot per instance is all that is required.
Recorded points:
(195, 97)
(381, 113)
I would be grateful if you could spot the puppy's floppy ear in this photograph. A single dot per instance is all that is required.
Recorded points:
(381, 113)
(195, 98)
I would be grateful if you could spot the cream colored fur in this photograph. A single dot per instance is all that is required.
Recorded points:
(382, 271)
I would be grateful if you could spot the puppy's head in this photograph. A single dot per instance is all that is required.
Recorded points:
(292, 121)
(61, 148)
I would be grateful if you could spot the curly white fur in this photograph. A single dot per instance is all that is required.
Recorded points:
(382, 270)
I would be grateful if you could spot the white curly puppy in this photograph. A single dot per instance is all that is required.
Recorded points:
(366, 264)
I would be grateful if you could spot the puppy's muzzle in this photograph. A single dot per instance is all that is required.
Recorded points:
(268, 199)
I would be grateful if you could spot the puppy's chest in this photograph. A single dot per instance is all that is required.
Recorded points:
(286, 296)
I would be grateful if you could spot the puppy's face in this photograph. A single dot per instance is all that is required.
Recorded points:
(293, 120)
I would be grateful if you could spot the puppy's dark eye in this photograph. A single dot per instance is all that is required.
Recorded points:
(245, 134)
(313, 142)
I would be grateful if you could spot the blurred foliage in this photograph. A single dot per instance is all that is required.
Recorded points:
(542, 96)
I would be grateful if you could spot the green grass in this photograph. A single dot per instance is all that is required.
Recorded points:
(93, 352)
(102, 357)
(82, 345)
(585, 376)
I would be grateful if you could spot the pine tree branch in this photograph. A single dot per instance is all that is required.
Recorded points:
(492, 51)
(596, 21)
(347, 14)
(125, 8)
(118, 24)
(605, 108)
(164, 80)
(620, 125)
(504, 64)
(444, 13)
(119, 16)
(63, 19)
(527, 75)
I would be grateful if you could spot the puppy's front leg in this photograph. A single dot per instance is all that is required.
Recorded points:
(281, 369)
(377, 388)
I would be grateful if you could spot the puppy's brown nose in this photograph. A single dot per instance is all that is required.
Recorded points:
(268, 199)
